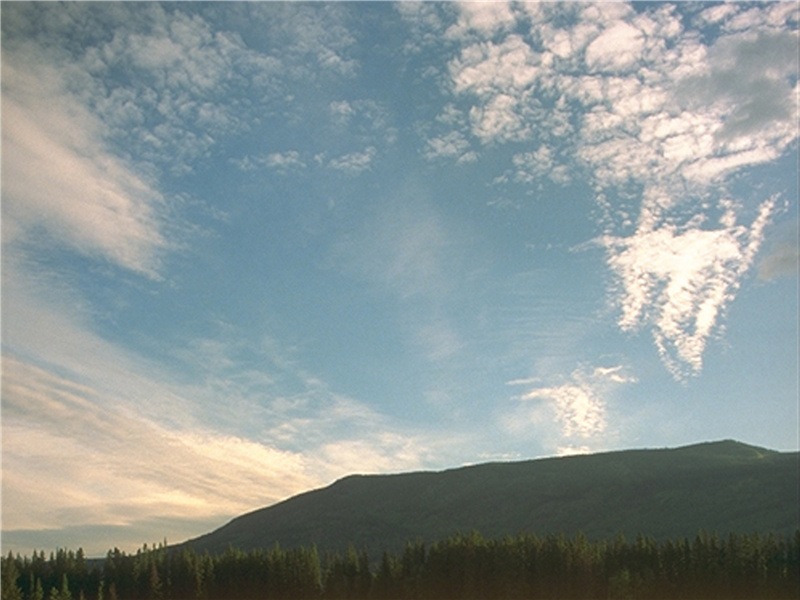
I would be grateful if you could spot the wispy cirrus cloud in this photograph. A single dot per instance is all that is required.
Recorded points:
(123, 416)
(59, 178)
(122, 478)
(154, 444)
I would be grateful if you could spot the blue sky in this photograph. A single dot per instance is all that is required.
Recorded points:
(248, 249)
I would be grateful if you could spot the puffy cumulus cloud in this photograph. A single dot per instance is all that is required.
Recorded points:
(577, 406)
(60, 178)
(645, 99)
(616, 49)
(481, 19)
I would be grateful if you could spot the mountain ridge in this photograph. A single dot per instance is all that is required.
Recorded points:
(725, 486)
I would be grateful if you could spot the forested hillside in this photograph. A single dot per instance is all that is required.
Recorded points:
(469, 566)
(614, 525)
(667, 494)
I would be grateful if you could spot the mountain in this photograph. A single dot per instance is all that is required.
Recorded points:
(665, 493)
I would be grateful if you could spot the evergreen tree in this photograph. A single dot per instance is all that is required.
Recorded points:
(9, 574)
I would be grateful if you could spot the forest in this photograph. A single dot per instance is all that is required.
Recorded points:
(465, 566)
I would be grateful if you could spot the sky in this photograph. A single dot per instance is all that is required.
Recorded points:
(250, 248)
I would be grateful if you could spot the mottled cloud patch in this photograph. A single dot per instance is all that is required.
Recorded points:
(354, 163)
(678, 280)
(281, 162)
(639, 100)
(617, 49)
(576, 406)
(451, 145)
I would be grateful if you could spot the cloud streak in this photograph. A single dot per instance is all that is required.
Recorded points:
(59, 177)
(122, 439)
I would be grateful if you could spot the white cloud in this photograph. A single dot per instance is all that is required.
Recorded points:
(342, 110)
(116, 467)
(452, 145)
(578, 406)
(572, 450)
(679, 280)
(284, 160)
(125, 443)
(659, 110)
(108, 464)
(59, 176)
(482, 19)
(354, 162)
(618, 48)
(532, 166)
(718, 12)
(579, 411)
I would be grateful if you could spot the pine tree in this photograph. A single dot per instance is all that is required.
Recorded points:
(9, 573)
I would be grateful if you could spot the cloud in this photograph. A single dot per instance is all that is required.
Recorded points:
(127, 442)
(119, 465)
(482, 19)
(617, 49)
(406, 248)
(49, 420)
(354, 162)
(282, 162)
(498, 75)
(679, 280)
(578, 406)
(783, 261)
(58, 176)
(572, 450)
(533, 166)
(452, 145)
(640, 100)
(312, 36)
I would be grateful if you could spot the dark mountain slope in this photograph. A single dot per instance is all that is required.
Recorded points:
(670, 493)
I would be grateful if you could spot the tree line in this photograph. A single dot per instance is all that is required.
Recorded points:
(463, 566)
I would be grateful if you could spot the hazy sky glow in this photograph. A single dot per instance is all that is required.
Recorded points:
(250, 248)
